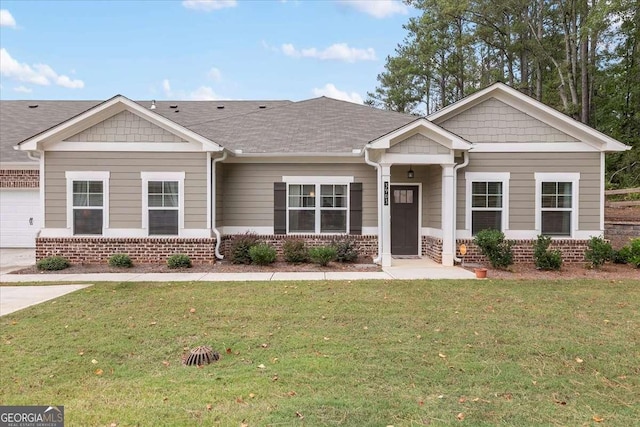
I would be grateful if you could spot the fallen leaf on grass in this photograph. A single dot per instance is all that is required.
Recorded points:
(460, 416)
(244, 424)
(261, 366)
(239, 400)
(598, 419)
(228, 351)
(291, 393)
(251, 395)
(442, 355)
(153, 323)
(99, 371)
(264, 345)
(299, 415)
(94, 361)
(462, 399)
(275, 378)
(579, 360)
(193, 310)
(113, 425)
(166, 363)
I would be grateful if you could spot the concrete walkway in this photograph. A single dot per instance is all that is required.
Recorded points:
(14, 298)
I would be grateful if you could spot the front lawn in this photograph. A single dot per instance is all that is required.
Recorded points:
(402, 353)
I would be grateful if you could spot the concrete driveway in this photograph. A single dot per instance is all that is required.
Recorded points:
(15, 259)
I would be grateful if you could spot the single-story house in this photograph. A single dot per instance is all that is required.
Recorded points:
(155, 178)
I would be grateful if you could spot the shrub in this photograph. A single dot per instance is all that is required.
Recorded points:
(345, 250)
(262, 254)
(543, 257)
(493, 246)
(240, 246)
(120, 260)
(621, 256)
(295, 251)
(53, 263)
(634, 250)
(598, 252)
(179, 261)
(322, 255)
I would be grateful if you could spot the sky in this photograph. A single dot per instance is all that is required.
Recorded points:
(197, 49)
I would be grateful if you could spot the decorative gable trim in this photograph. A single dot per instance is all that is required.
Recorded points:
(427, 129)
(535, 109)
(104, 111)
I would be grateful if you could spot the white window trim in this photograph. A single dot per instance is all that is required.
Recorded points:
(88, 176)
(574, 179)
(502, 177)
(162, 176)
(318, 182)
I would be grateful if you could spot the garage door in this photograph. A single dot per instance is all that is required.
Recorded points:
(19, 218)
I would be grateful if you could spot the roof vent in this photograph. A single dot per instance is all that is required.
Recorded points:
(201, 355)
(33, 106)
(153, 105)
(176, 111)
(262, 107)
(173, 106)
(220, 107)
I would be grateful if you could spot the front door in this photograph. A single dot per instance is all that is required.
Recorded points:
(404, 220)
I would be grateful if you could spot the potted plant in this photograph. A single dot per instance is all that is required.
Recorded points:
(481, 273)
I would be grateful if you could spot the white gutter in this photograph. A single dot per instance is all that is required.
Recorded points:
(378, 259)
(465, 162)
(213, 205)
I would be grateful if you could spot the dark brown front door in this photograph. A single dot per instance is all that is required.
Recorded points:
(404, 220)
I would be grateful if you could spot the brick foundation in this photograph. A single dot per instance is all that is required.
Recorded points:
(620, 233)
(19, 178)
(147, 250)
(366, 246)
(572, 250)
(432, 248)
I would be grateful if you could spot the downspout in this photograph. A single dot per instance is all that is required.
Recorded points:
(378, 259)
(465, 162)
(213, 205)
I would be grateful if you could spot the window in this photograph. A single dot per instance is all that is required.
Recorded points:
(486, 206)
(163, 207)
(163, 203)
(87, 207)
(317, 207)
(556, 203)
(87, 202)
(487, 201)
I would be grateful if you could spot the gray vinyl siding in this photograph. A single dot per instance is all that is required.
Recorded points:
(522, 167)
(219, 194)
(248, 189)
(125, 185)
(418, 144)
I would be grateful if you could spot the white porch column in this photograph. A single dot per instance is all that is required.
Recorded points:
(386, 215)
(448, 215)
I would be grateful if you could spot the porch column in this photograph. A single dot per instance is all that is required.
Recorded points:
(386, 215)
(448, 215)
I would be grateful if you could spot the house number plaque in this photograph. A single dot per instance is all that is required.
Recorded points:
(386, 193)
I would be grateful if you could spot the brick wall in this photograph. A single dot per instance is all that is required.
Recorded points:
(572, 250)
(366, 246)
(141, 250)
(19, 178)
(619, 233)
(432, 248)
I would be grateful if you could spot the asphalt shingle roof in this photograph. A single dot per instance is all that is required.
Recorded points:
(319, 125)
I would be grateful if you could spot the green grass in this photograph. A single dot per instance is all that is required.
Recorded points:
(371, 353)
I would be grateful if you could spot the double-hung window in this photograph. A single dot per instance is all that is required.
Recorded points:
(87, 206)
(317, 207)
(163, 201)
(556, 204)
(487, 196)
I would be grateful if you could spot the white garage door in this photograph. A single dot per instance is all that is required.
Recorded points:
(20, 218)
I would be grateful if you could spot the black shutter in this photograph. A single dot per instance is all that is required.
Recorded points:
(355, 208)
(280, 208)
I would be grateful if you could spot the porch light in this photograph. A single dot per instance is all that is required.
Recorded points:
(410, 173)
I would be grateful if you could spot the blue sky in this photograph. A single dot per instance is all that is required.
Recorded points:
(215, 49)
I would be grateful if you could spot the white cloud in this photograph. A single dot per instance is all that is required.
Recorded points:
(6, 19)
(22, 89)
(203, 93)
(208, 5)
(378, 8)
(215, 74)
(337, 52)
(39, 74)
(329, 90)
